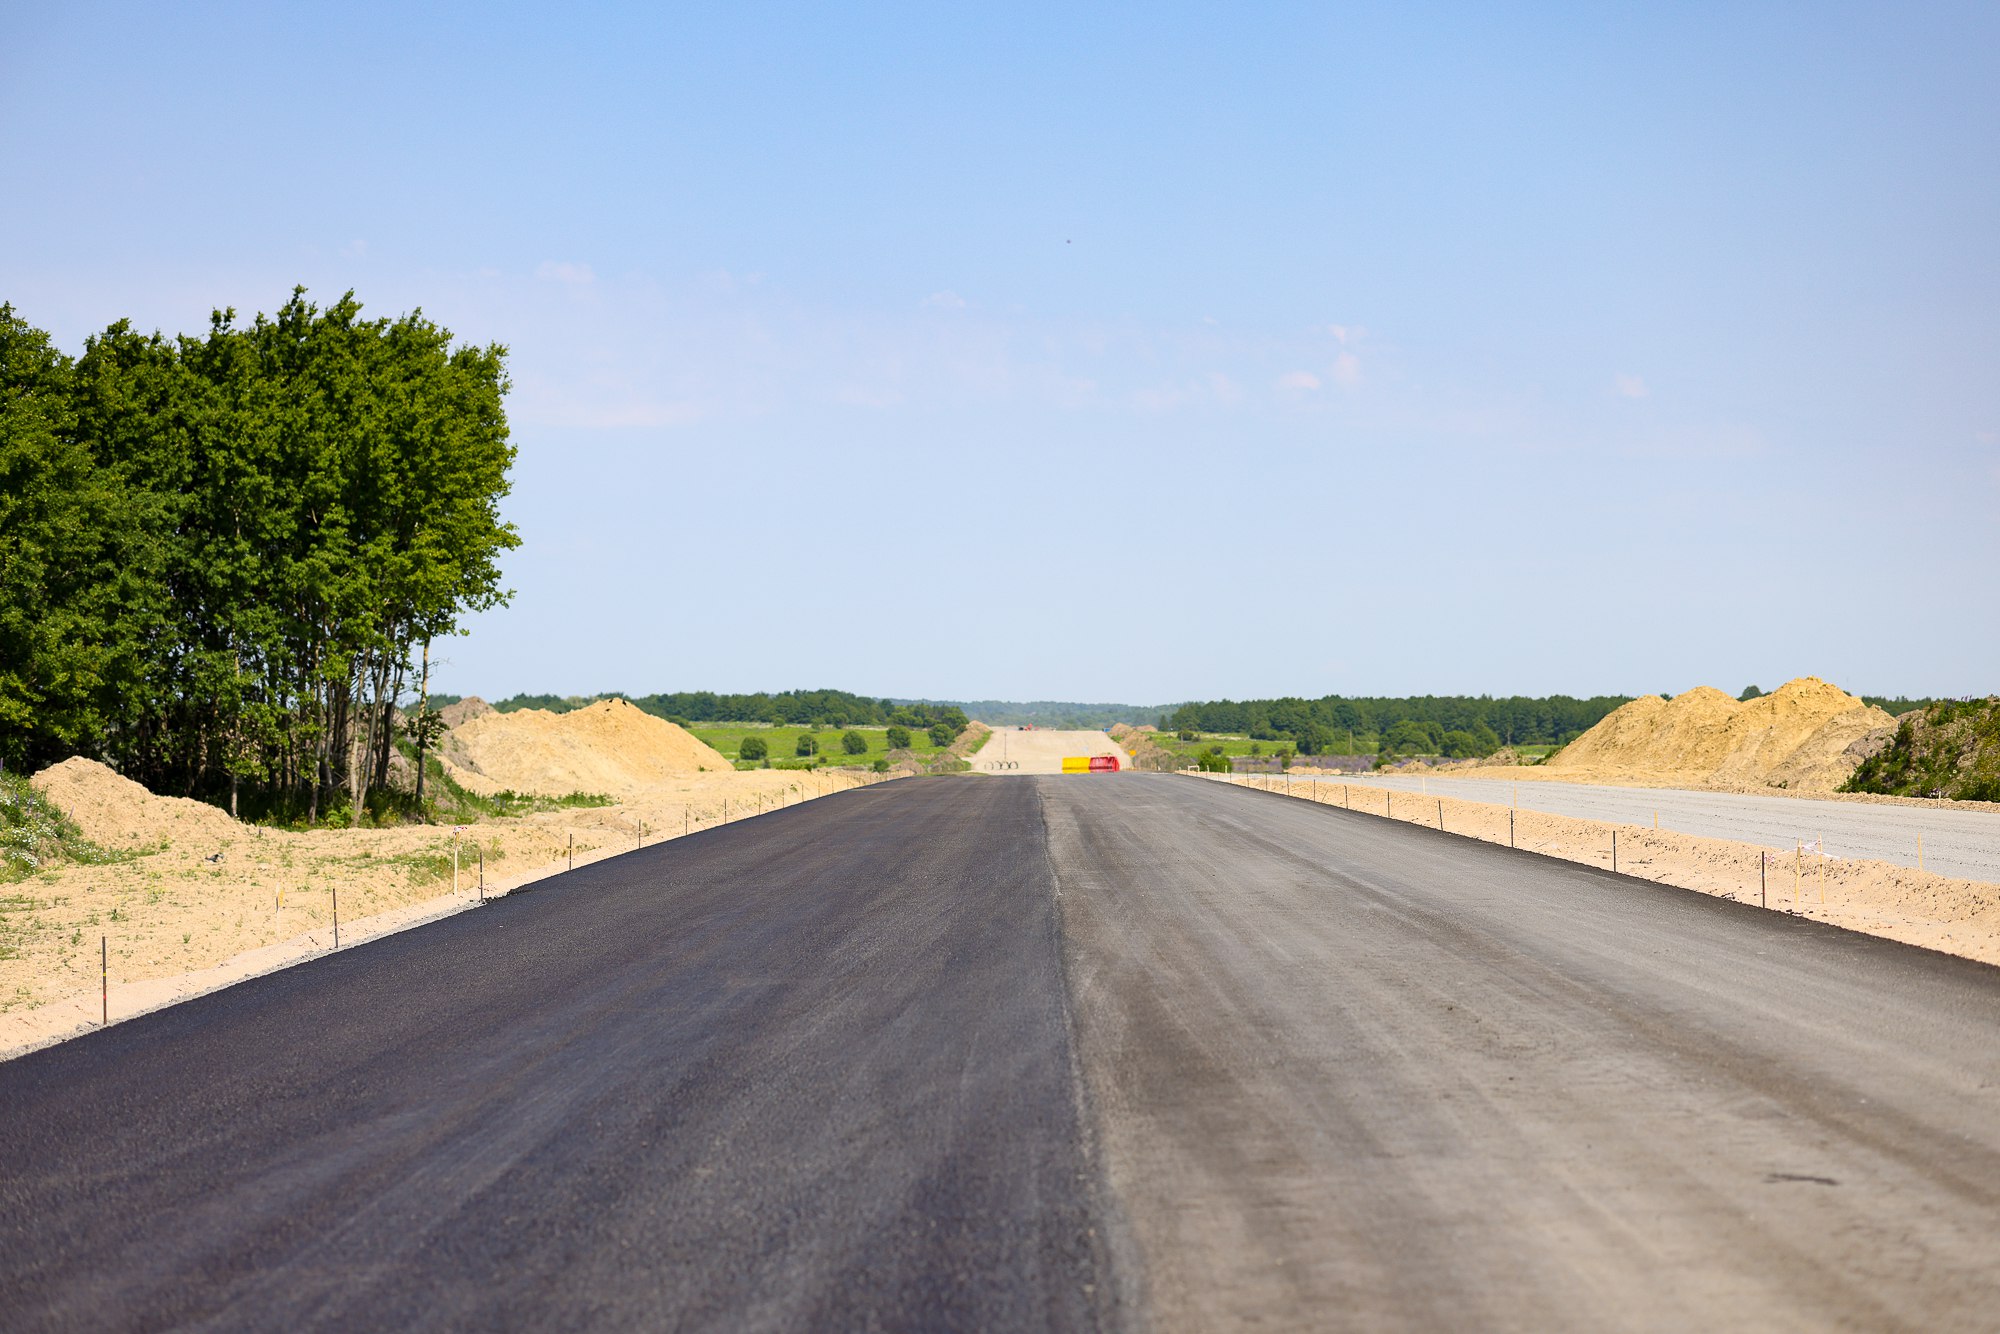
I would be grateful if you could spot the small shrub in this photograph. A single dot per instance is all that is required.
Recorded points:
(808, 744)
(899, 738)
(753, 748)
(854, 743)
(941, 734)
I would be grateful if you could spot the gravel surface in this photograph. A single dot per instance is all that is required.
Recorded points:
(1963, 844)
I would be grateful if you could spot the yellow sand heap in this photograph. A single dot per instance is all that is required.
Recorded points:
(1796, 737)
(611, 747)
(112, 811)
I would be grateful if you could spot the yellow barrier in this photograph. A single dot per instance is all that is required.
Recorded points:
(1076, 764)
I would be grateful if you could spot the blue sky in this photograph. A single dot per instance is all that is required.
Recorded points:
(1146, 353)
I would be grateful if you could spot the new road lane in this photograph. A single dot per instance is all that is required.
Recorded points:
(1107, 1052)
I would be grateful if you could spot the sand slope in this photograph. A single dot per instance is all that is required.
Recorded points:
(1796, 737)
(116, 813)
(612, 747)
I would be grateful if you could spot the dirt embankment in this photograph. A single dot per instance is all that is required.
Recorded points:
(1143, 745)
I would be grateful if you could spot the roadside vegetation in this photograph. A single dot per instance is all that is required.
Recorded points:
(225, 556)
(36, 836)
(1947, 749)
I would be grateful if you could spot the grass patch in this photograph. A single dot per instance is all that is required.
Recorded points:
(35, 835)
(783, 743)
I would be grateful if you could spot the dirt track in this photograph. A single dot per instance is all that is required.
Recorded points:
(1012, 751)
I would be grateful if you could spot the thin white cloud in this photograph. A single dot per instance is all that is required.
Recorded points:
(945, 300)
(1628, 386)
(1298, 380)
(1347, 370)
(565, 271)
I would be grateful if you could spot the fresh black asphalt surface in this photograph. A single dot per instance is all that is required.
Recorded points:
(1037, 1053)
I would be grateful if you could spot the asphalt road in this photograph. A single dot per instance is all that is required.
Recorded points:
(1350, 1073)
(806, 1071)
(1106, 1052)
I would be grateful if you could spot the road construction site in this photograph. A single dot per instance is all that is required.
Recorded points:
(1087, 1052)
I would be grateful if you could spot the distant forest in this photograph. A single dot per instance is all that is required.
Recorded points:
(1055, 714)
(1421, 724)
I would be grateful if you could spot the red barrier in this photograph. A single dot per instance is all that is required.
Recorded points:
(1100, 764)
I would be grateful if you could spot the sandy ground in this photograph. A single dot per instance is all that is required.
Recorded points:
(176, 923)
(1958, 839)
(1939, 912)
(1012, 751)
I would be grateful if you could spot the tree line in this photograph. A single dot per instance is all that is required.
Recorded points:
(1463, 725)
(224, 557)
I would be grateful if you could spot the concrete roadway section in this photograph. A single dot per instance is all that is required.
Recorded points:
(1092, 1052)
(1959, 842)
(1349, 1073)
(808, 1071)
(1012, 751)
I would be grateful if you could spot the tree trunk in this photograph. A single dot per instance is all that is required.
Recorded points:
(423, 707)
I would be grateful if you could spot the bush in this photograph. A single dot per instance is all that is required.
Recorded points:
(899, 738)
(1189, 734)
(941, 734)
(854, 743)
(808, 744)
(1213, 762)
(753, 748)
(881, 766)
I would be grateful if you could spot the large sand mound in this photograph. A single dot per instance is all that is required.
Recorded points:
(611, 747)
(1796, 737)
(115, 812)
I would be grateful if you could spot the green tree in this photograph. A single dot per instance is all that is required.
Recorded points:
(753, 748)
(854, 743)
(808, 744)
(942, 734)
(899, 738)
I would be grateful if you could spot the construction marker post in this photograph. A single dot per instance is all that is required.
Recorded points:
(482, 871)
(1440, 815)
(1510, 826)
(1763, 866)
(1614, 852)
(572, 852)
(104, 979)
(336, 916)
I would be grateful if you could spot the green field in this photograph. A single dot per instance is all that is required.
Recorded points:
(1231, 744)
(783, 741)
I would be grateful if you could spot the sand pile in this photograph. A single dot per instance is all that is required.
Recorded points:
(463, 712)
(115, 812)
(612, 747)
(1797, 737)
